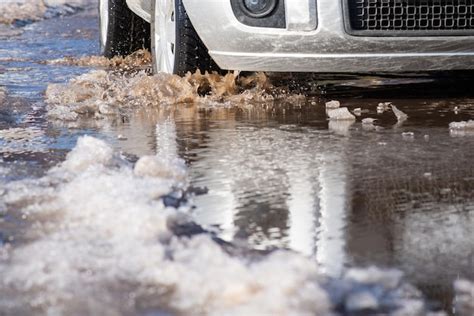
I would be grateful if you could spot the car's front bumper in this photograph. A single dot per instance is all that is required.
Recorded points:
(303, 47)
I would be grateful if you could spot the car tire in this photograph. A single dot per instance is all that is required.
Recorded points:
(175, 44)
(122, 32)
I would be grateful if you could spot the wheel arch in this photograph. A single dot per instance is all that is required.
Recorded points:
(142, 8)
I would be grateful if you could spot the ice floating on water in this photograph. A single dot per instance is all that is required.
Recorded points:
(468, 125)
(333, 105)
(383, 107)
(399, 114)
(342, 114)
(462, 128)
(368, 121)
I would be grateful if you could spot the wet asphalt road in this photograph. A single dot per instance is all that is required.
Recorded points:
(279, 175)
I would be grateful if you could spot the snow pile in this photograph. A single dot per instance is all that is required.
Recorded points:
(100, 230)
(100, 93)
(101, 242)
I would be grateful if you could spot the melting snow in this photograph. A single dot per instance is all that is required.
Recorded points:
(101, 242)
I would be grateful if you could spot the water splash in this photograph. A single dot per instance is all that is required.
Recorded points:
(100, 93)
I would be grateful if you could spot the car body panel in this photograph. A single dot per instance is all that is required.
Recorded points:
(319, 43)
(142, 8)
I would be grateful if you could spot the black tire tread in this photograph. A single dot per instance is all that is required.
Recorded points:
(191, 53)
(127, 32)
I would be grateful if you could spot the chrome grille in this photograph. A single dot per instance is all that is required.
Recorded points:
(411, 15)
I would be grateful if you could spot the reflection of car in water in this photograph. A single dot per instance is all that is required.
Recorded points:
(293, 35)
(287, 186)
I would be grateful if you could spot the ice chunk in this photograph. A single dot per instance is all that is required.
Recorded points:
(383, 107)
(399, 114)
(464, 299)
(361, 301)
(462, 128)
(333, 104)
(468, 125)
(340, 114)
(388, 278)
(368, 121)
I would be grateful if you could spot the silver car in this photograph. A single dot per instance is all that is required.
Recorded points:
(322, 36)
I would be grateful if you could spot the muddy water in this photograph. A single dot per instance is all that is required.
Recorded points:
(266, 172)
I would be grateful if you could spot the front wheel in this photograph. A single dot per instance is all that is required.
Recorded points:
(176, 47)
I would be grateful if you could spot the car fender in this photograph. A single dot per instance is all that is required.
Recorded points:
(142, 8)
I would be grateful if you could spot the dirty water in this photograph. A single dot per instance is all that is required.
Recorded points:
(291, 204)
